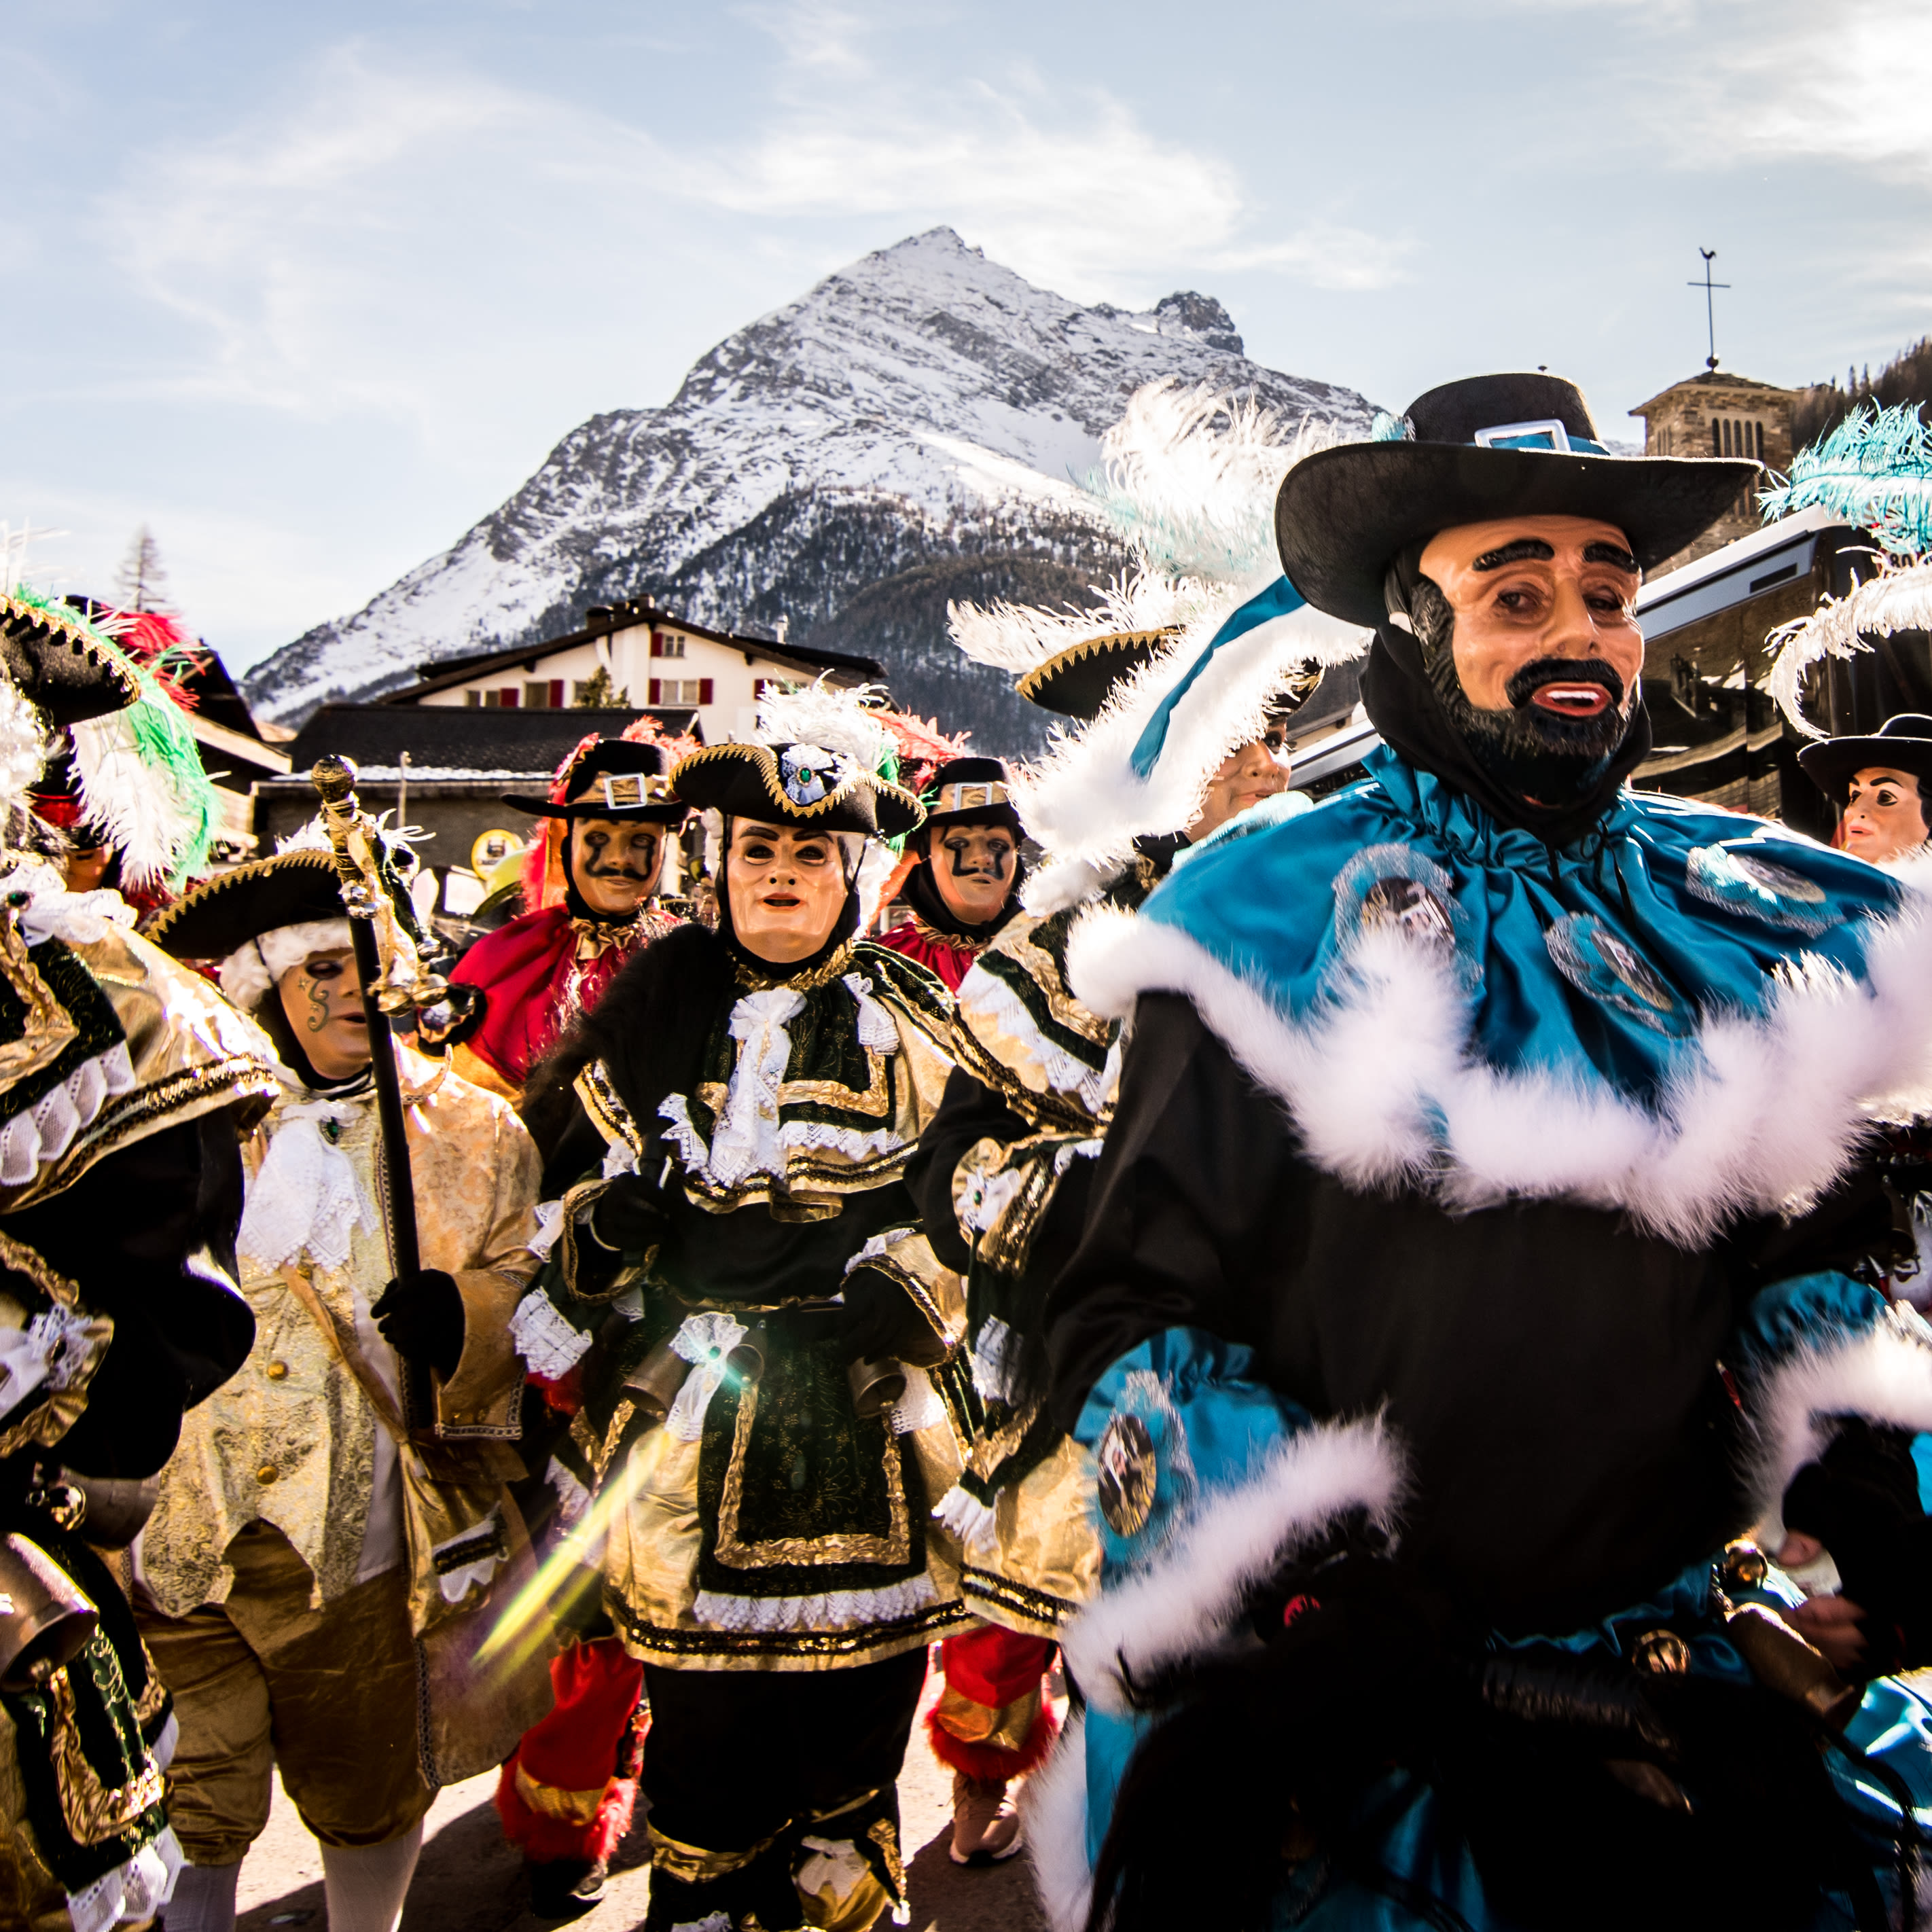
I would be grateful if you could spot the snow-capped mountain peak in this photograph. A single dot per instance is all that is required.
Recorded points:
(908, 430)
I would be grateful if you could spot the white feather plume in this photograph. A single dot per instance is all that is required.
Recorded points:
(1083, 800)
(136, 803)
(837, 719)
(1895, 597)
(1190, 477)
(23, 748)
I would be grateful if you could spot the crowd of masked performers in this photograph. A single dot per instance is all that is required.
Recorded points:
(1357, 1359)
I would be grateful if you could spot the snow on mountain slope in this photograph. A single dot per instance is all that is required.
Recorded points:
(905, 432)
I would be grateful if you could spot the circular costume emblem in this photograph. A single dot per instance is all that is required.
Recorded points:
(1126, 1459)
(1599, 962)
(1746, 882)
(807, 773)
(1419, 912)
(1394, 888)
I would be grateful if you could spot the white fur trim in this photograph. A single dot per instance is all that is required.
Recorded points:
(1385, 1091)
(1083, 801)
(1053, 1812)
(836, 1610)
(1183, 1602)
(247, 974)
(1884, 1376)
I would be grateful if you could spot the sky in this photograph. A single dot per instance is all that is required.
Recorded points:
(309, 290)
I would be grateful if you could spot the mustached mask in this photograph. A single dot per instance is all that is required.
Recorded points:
(1534, 752)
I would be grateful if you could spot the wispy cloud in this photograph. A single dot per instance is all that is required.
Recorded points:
(387, 240)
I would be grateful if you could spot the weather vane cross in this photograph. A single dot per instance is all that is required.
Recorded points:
(1709, 287)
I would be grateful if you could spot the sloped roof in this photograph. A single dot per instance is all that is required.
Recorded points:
(1711, 379)
(452, 742)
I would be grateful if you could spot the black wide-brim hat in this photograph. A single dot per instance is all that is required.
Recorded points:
(1904, 742)
(970, 791)
(615, 779)
(1484, 448)
(1077, 682)
(218, 918)
(60, 663)
(801, 785)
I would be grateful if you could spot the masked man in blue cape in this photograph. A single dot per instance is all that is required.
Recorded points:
(1473, 1316)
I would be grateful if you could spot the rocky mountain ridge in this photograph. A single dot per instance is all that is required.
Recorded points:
(908, 431)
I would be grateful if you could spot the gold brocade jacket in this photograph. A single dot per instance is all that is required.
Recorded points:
(292, 1439)
(765, 1522)
(1032, 1556)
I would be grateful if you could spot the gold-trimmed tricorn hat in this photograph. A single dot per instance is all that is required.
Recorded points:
(801, 785)
(221, 915)
(58, 662)
(1077, 682)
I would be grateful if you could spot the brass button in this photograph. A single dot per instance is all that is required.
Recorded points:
(277, 1371)
(266, 1473)
(1662, 1653)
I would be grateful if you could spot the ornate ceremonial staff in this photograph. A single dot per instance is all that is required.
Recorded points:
(393, 979)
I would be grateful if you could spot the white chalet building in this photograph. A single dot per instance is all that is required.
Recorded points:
(635, 656)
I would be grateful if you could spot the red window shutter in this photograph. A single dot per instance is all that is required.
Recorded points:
(512, 697)
(656, 687)
(657, 648)
(704, 691)
(556, 694)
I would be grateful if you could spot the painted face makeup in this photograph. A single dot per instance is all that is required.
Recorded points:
(323, 1004)
(614, 863)
(1245, 777)
(1532, 642)
(788, 888)
(973, 867)
(1884, 816)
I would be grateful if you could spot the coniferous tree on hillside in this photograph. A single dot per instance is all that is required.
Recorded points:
(1907, 378)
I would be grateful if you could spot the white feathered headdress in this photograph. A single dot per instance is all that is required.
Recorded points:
(1189, 479)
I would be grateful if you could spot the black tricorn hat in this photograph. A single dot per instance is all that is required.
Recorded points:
(216, 919)
(1904, 743)
(803, 785)
(970, 791)
(60, 663)
(615, 779)
(1483, 448)
(1078, 681)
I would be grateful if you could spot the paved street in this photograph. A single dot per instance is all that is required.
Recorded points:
(470, 1881)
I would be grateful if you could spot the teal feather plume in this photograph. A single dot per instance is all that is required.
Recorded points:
(1874, 470)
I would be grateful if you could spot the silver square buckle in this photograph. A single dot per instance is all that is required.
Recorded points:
(1516, 435)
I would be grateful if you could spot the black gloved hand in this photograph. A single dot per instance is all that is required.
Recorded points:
(627, 1217)
(421, 1316)
(880, 1318)
(1860, 1499)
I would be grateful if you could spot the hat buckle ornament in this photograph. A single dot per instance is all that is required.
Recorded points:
(804, 771)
